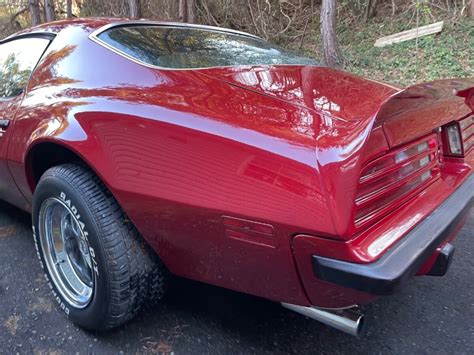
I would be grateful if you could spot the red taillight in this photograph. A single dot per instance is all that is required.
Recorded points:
(388, 181)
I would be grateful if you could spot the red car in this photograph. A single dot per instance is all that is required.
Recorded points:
(147, 149)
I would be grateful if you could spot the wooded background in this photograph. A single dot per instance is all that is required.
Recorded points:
(339, 33)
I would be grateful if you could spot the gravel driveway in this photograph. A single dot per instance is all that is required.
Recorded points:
(431, 315)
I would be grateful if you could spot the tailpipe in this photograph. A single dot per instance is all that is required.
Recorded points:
(348, 320)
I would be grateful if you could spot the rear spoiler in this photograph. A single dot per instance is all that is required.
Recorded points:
(419, 109)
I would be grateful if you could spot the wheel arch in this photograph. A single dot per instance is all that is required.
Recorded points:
(45, 154)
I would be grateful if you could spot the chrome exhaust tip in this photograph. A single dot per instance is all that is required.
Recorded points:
(347, 320)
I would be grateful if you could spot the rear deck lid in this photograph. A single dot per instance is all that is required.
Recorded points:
(405, 114)
(321, 89)
(417, 110)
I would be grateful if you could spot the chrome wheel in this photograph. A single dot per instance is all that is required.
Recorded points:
(66, 252)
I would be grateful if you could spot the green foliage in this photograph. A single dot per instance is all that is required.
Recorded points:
(12, 77)
(445, 55)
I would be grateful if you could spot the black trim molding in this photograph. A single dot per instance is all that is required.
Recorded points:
(405, 258)
(46, 35)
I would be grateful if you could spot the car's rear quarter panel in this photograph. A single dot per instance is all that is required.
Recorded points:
(180, 151)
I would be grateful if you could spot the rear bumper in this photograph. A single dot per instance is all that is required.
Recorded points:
(405, 258)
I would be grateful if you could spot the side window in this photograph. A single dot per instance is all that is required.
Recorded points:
(18, 58)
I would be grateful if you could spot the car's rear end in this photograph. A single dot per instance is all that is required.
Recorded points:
(388, 160)
(414, 192)
(395, 166)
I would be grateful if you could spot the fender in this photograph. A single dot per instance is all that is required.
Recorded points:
(55, 130)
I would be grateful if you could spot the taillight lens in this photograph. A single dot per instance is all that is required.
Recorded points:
(388, 181)
(454, 139)
(458, 137)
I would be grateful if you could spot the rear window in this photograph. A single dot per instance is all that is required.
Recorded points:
(186, 48)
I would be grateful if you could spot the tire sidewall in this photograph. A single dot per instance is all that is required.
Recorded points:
(93, 314)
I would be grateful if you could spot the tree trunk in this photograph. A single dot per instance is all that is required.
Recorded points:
(332, 53)
(186, 11)
(370, 9)
(135, 10)
(367, 10)
(471, 11)
(34, 12)
(190, 11)
(182, 11)
(69, 8)
(49, 10)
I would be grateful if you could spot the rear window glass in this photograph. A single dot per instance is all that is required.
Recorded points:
(182, 48)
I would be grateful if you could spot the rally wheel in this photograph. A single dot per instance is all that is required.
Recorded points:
(98, 267)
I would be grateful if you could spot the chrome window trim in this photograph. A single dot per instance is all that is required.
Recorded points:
(132, 23)
(94, 37)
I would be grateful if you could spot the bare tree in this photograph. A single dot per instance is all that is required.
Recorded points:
(135, 9)
(35, 14)
(49, 10)
(182, 10)
(332, 53)
(69, 8)
(186, 11)
(190, 11)
(370, 9)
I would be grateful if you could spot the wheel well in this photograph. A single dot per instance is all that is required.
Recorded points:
(43, 157)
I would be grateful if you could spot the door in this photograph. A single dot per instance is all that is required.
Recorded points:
(18, 58)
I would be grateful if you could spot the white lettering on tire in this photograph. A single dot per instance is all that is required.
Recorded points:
(95, 265)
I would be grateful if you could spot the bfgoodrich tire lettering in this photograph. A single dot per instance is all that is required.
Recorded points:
(127, 274)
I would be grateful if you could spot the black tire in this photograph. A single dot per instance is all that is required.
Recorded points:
(128, 274)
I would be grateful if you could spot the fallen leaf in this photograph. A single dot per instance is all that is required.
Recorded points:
(12, 324)
(7, 231)
(41, 304)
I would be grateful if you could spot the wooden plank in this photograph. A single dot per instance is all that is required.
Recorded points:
(410, 34)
